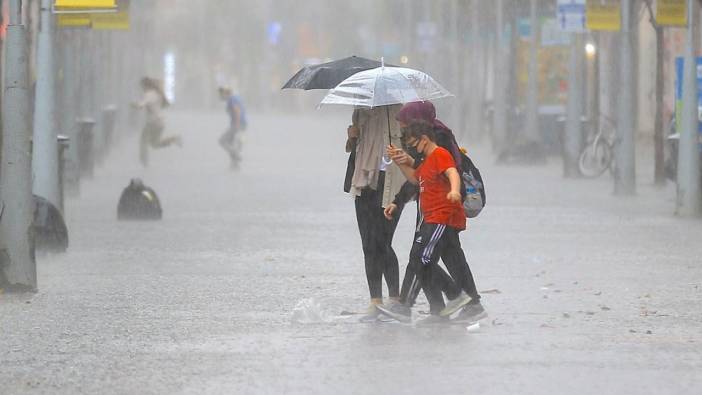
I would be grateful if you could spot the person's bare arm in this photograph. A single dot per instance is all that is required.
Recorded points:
(400, 158)
(408, 171)
(455, 180)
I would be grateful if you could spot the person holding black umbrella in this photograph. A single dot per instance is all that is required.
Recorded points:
(373, 180)
(371, 177)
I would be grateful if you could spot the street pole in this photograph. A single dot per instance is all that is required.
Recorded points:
(17, 263)
(456, 105)
(573, 136)
(500, 82)
(45, 148)
(69, 109)
(532, 107)
(688, 196)
(625, 174)
(476, 94)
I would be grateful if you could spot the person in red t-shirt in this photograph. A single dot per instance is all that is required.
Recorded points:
(441, 209)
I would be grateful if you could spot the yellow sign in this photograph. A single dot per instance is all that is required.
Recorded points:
(73, 20)
(604, 15)
(85, 4)
(671, 12)
(116, 21)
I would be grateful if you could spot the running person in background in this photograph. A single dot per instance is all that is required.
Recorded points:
(231, 139)
(153, 102)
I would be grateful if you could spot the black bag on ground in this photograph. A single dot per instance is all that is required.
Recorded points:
(472, 187)
(139, 202)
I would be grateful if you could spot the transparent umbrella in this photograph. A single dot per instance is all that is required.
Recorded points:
(384, 86)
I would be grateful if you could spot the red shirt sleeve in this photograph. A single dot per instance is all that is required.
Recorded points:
(443, 161)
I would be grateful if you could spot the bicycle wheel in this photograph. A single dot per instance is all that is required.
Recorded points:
(595, 159)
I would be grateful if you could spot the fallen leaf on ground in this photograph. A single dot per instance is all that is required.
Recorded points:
(491, 291)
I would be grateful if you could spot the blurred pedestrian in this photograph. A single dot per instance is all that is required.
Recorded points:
(153, 102)
(231, 140)
(373, 181)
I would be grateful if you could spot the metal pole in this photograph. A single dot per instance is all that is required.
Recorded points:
(625, 175)
(476, 94)
(532, 107)
(688, 197)
(69, 109)
(499, 129)
(573, 133)
(18, 265)
(45, 147)
(455, 66)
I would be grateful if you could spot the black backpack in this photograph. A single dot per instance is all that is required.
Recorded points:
(472, 187)
(139, 202)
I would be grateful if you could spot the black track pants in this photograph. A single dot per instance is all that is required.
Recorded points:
(451, 253)
(424, 256)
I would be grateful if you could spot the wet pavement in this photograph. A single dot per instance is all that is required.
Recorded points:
(587, 293)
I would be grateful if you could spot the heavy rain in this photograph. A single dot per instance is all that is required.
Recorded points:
(351, 197)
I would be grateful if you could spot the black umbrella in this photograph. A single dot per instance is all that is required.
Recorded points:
(328, 75)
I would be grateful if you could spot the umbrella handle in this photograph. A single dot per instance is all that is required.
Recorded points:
(387, 111)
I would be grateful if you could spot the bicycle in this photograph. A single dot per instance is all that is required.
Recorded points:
(598, 155)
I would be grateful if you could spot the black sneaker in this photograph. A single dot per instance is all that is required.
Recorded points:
(398, 311)
(473, 312)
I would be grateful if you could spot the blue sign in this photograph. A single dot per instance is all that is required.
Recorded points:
(679, 71)
(571, 15)
(273, 32)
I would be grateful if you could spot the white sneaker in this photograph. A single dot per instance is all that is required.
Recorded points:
(456, 304)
